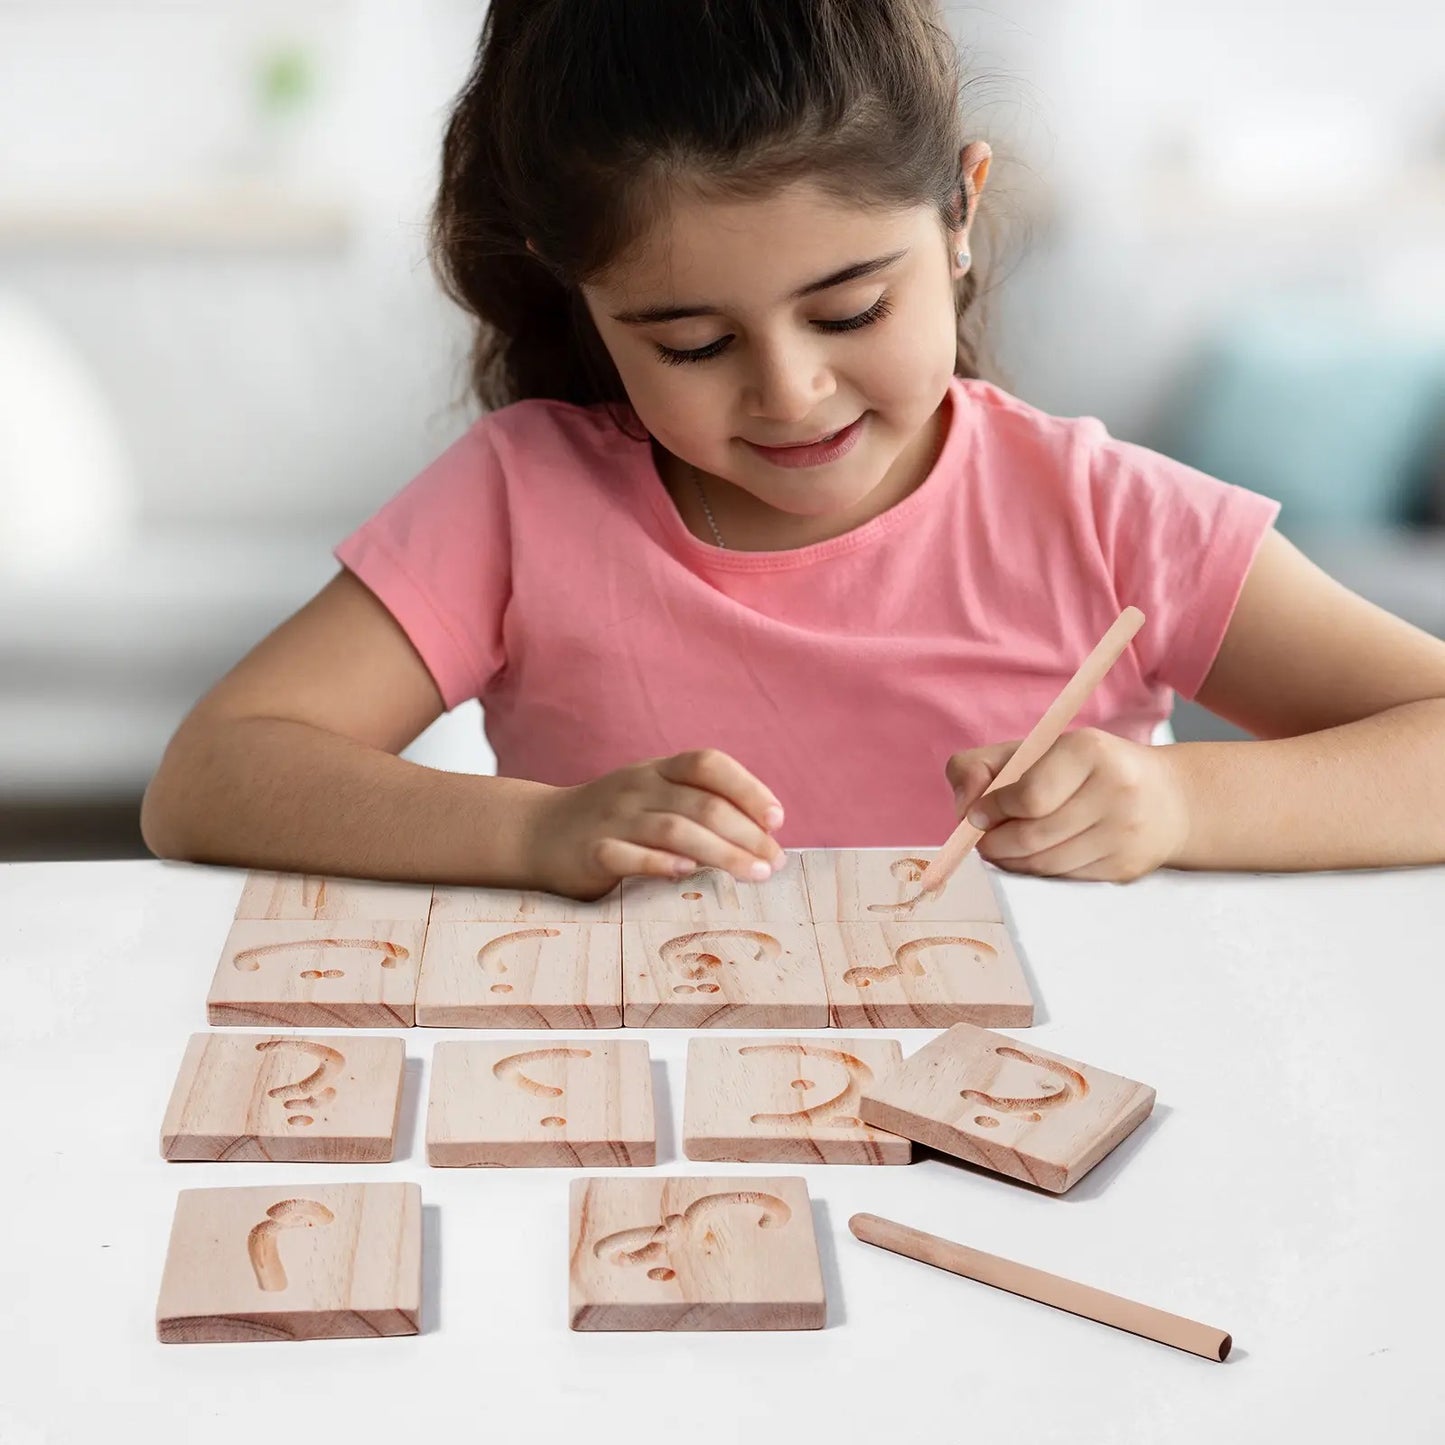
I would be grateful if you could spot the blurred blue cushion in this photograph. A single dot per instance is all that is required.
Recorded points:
(1318, 408)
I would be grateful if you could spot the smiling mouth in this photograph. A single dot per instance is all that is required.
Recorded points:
(792, 446)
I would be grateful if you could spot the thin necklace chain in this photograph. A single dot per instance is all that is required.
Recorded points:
(702, 497)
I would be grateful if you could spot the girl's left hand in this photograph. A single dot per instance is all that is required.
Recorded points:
(1094, 806)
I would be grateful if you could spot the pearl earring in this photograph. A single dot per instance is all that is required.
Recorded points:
(962, 258)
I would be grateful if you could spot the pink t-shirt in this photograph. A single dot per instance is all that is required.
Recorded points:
(540, 565)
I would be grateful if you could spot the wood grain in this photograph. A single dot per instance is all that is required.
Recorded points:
(693, 1254)
(292, 1262)
(880, 885)
(771, 1100)
(712, 896)
(293, 896)
(565, 1102)
(499, 905)
(510, 976)
(1008, 1106)
(285, 1098)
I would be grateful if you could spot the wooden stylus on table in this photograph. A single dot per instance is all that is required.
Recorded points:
(1049, 1289)
(1046, 732)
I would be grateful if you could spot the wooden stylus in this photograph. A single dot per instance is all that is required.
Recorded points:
(1046, 732)
(1049, 1289)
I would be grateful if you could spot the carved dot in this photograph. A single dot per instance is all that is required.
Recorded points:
(300, 1119)
(683, 988)
(707, 988)
(801, 1084)
(553, 1121)
(501, 988)
(661, 1274)
(865, 983)
(1035, 1118)
(985, 1122)
(692, 895)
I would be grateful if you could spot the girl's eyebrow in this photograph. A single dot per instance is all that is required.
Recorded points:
(652, 315)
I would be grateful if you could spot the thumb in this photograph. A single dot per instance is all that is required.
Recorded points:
(971, 773)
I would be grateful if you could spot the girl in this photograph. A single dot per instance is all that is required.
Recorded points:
(745, 550)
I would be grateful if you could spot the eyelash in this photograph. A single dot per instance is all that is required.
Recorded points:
(876, 312)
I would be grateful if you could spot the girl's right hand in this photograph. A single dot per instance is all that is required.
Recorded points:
(666, 817)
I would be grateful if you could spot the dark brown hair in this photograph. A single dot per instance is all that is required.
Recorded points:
(578, 115)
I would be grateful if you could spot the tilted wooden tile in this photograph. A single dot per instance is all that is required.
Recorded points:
(500, 905)
(874, 885)
(300, 895)
(766, 975)
(1017, 1110)
(292, 1262)
(500, 976)
(669, 1253)
(285, 1097)
(923, 975)
(787, 1101)
(574, 1102)
(712, 896)
(353, 974)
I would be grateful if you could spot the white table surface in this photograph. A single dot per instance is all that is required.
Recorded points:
(1287, 1188)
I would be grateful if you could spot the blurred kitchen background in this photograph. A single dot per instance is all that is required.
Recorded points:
(1220, 228)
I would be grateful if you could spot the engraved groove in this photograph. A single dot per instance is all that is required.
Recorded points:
(906, 962)
(830, 1112)
(261, 1242)
(1073, 1085)
(906, 870)
(487, 953)
(248, 960)
(649, 1243)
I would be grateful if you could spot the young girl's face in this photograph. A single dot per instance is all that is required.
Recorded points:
(736, 326)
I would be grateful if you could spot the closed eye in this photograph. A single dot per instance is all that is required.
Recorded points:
(876, 312)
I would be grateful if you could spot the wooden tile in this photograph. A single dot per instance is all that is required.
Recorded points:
(286, 1098)
(318, 974)
(292, 1262)
(923, 975)
(500, 976)
(786, 1101)
(712, 896)
(766, 975)
(574, 1102)
(297, 895)
(498, 905)
(1008, 1107)
(872, 885)
(669, 1253)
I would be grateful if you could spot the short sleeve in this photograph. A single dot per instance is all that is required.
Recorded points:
(438, 557)
(1179, 545)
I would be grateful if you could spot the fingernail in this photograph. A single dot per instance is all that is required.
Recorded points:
(761, 870)
(978, 820)
(773, 818)
(684, 866)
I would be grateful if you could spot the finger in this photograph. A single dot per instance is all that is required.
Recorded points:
(1023, 837)
(625, 860)
(1081, 855)
(1044, 789)
(681, 835)
(970, 772)
(716, 772)
(719, 816)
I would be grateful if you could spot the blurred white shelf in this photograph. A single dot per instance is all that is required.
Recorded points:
(215, 219)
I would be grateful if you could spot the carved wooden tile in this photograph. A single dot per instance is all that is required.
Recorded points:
(1017, 1110)
(292, 1262)
(765, 975)
(873, 885)
(787, 1101)
(712, 896)
(285, 1097)
(354, 974)
(923, 975)
(541, 976)
(574, 1102)
(297, 895)
(500, 905)
(669, 1253)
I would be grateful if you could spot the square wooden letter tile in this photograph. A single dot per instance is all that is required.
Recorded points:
(292, 1262)
(352, 973)
(500, 905)
(299, 895)
(762, 975)
(870, 885)
(712, 896)
(285, 1097)
(573, 1102)
(923, 975)
(675, 1253)
(538, 976)
(787, 1101)
(1011, 1108)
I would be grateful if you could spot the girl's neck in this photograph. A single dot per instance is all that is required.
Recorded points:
(750, 525)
